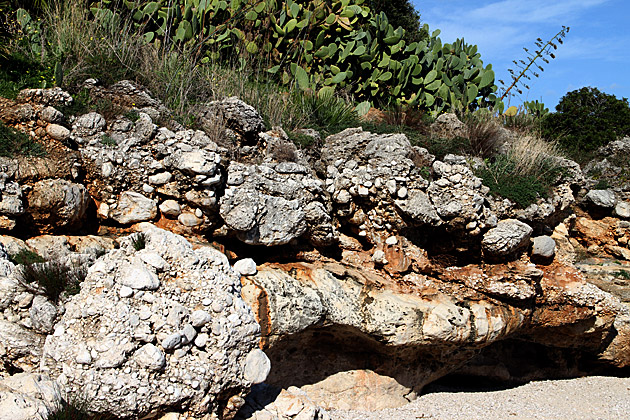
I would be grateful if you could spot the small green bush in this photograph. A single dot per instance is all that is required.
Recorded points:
(329, 113)
(622, 274)
(139, 241)
(132, 115)
(501, 175)
(108, 141)
(15, 143)
(587, 119)
(51, 277)
(26, 256)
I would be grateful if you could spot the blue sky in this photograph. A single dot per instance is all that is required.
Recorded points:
(596, 51)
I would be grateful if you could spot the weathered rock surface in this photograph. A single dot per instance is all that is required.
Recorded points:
(268, 403)
(601, 198)
(28, 396)
(448, 126)
(130, 331)
(133, 207)
(56, 204)
(239, 116)
(416, 329)
(506, 239)
(272, 204)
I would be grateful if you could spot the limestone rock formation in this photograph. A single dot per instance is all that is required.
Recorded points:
(136, 329)
(56, 204)
(272, 204)
(27, 396)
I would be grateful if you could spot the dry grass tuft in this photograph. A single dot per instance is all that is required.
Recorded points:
(531, 154)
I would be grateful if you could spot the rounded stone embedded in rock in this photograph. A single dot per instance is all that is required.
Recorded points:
(189, 220)
(160, 179)
(172, 341)
(51, 115)
(200, 318)
(150, 357)
(601, 198)
(257, 366)
(57, 132)
(170, 208)
(125, 292)
(245, 267)
(57, 203)
(43, 314)
(543, 246)
(507, 238)
(622, 210)
(134, 207)
(138, 277)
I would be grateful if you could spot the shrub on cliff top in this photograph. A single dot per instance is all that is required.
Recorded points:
(587, 119)
(16, 143)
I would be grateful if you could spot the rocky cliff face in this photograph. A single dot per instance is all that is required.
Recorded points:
(374, 270)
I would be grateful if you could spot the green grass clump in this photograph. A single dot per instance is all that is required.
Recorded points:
(15, 143)
(18, 72)
(622, 274)
(26, 256)
(51, 277)
(502, 177)
(132, 115)
(108, 141)
(139, 241)
(76, 410)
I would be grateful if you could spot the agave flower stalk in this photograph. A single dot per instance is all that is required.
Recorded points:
(531, 66)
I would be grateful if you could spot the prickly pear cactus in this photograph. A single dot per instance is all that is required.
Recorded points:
(325, 45)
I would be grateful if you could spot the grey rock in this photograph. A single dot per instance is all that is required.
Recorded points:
(43, 314)
(188, 334)
(137, 276)
(189, 220)
(170, 208)
(132, 373)
(53, 96)
(238, 116)
(543, 246)
(257, 366)
(144, 128)
(601, 198)
(134, 207)
(56, 203)
(51, 115)
(196, 162)
(419, 208)
(506, 239)
(28, 396)
(160, 178)
(22, 347)
(150, 357)
(200, 318)
(448, 126)
(10, 197)
(245, 267)
(263, 219)
(89, 124)
(622, 209)
(58, 132)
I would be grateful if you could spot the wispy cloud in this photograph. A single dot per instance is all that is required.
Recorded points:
(536, 11)
(503, 27)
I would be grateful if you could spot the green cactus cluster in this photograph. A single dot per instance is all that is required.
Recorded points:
(323, 45)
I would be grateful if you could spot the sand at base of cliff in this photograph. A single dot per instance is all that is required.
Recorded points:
(594, 397)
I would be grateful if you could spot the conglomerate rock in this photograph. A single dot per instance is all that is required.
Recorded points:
(157, 328)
